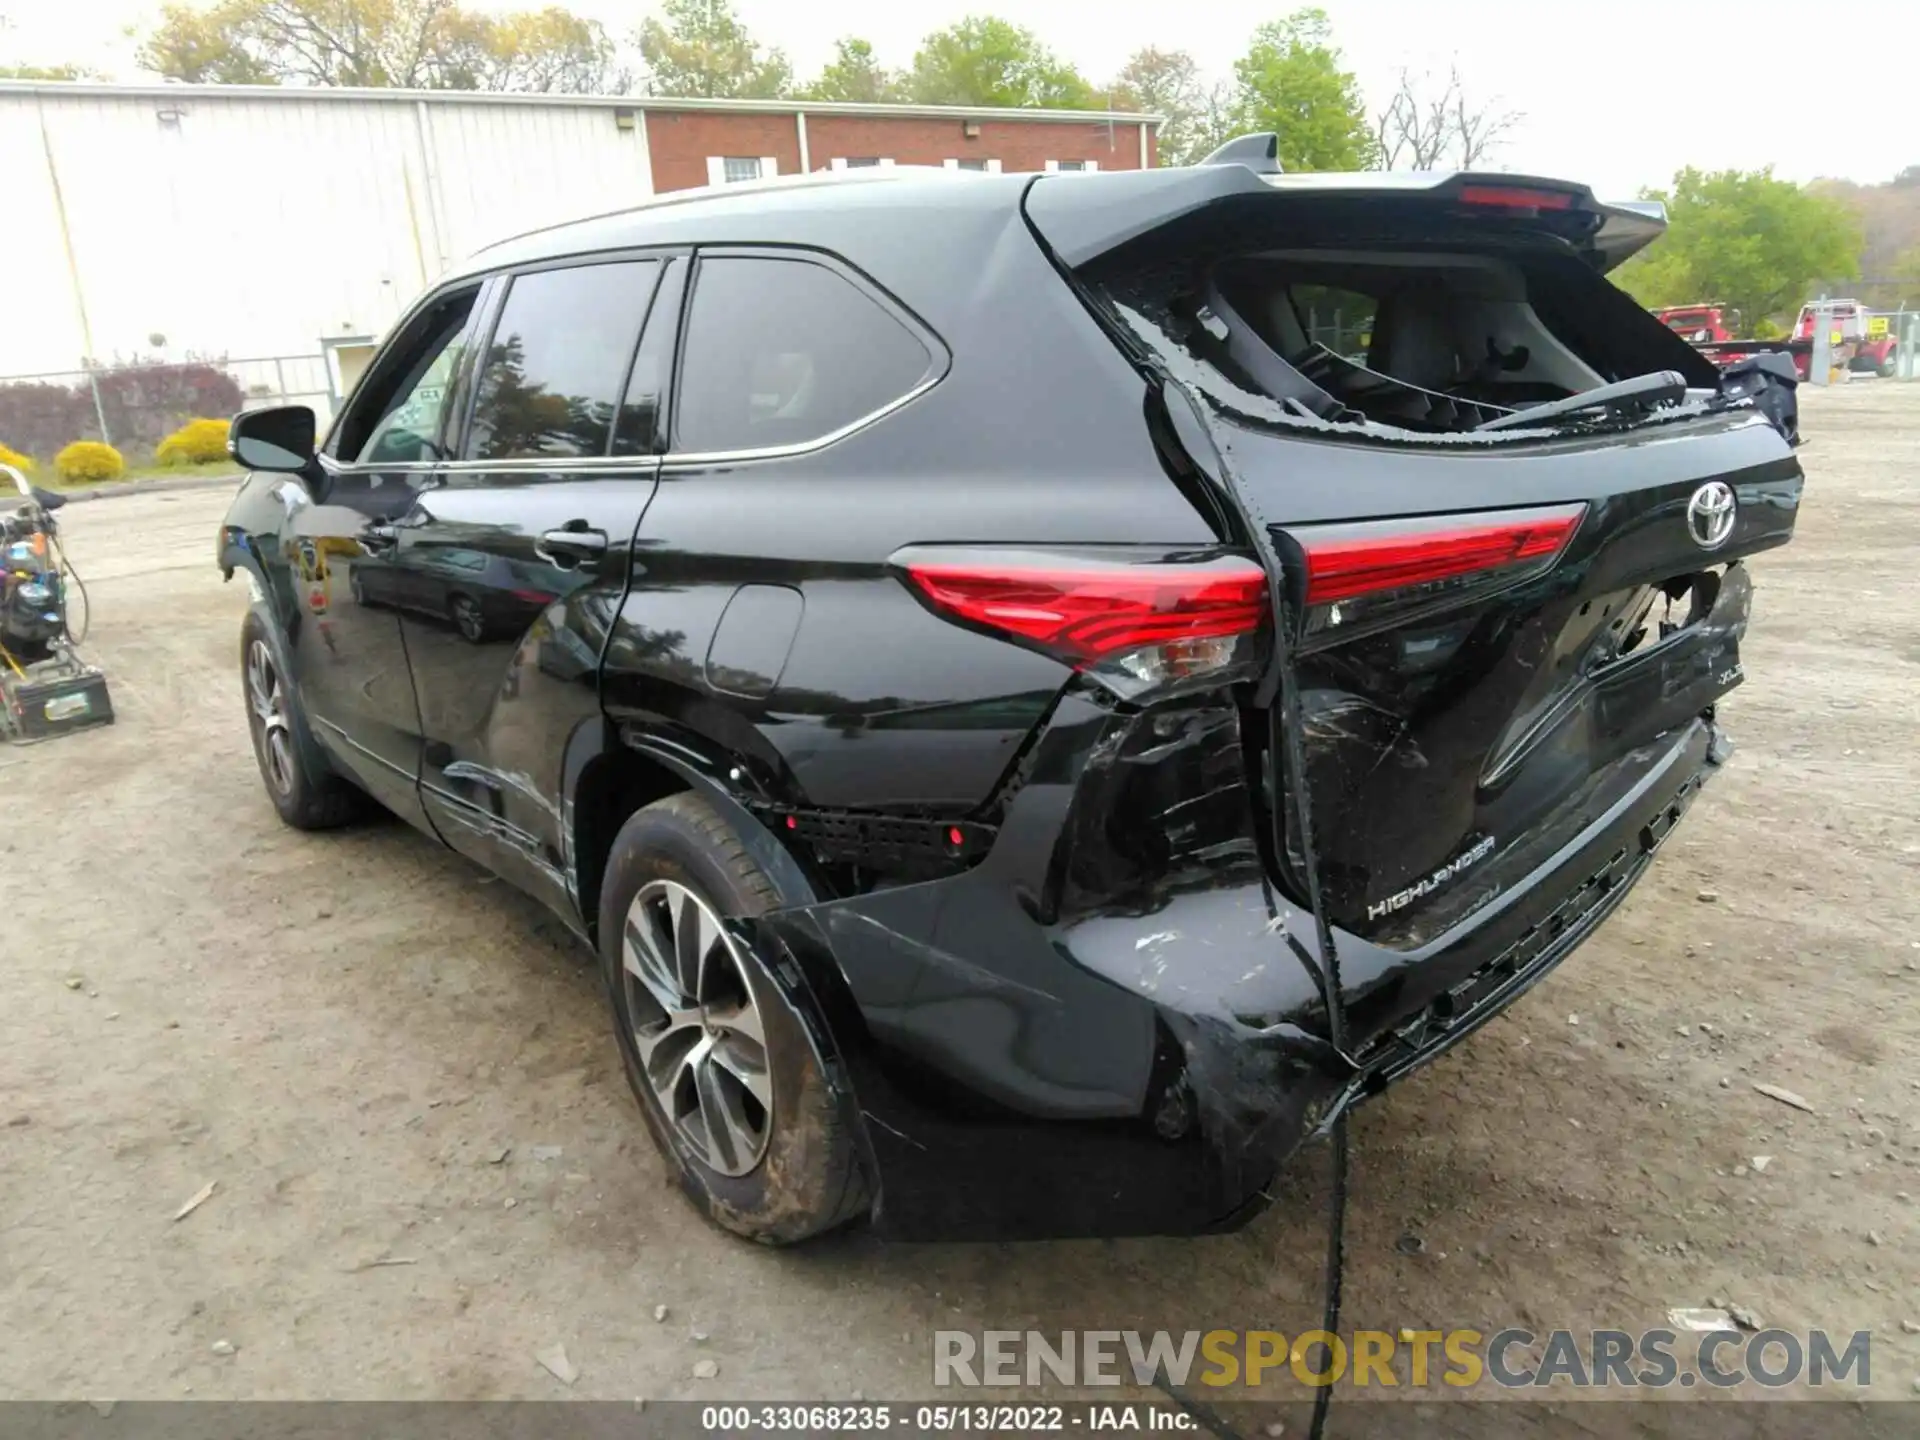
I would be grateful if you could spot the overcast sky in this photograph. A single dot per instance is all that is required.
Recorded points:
(1619, 94)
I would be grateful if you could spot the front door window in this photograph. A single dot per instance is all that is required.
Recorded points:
(401, 417)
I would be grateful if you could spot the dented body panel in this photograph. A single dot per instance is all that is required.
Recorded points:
(1033, 1059)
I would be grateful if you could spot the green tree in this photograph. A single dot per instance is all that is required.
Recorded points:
(407, 44)
(1745, 239)
(1167, 83)
(1906, 276)
(221, 45)
(700, 49)
(1291, 82)
(44, 72)
(984, 60)
(855, 76)
(551, 51)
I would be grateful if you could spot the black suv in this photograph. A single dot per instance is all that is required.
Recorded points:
(1042, 690)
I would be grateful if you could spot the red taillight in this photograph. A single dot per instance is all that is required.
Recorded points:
(1135, 620)
(1350, 561)
(1085, 615)
(1514, 197)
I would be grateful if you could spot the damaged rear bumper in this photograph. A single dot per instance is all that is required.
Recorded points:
(1025, 1070)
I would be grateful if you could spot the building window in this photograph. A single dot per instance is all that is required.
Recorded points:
(862, 162)
(1073, 165)
(737, 169)
(980, 165)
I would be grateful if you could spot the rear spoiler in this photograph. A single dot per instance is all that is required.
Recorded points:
(1083, 222)
(1652, 209)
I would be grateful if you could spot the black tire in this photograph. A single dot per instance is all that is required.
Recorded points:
(307, 794)
(807, 1180)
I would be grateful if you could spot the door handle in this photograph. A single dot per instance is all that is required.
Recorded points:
(378, 539)
(572, 545)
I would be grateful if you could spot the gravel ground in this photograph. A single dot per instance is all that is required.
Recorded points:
(399, 1078)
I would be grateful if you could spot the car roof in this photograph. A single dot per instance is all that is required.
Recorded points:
(1081, 214)
(754, 211)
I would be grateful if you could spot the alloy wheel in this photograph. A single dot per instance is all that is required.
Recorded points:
(269, 704)
(697, 1027)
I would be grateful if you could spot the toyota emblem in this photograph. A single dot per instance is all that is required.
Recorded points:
(1710, 514)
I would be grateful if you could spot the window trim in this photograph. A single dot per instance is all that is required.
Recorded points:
(1080, 167)
(666, 307)
(939, 357)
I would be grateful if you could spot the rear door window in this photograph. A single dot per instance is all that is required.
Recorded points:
(559, 360)
(785, 352)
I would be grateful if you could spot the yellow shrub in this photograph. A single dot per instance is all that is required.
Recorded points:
(198, 442)
(23, 463)
(89, 460)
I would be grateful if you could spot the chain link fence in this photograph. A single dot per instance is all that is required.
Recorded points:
(134, 407)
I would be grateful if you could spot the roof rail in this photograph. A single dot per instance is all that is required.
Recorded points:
(1259, 152)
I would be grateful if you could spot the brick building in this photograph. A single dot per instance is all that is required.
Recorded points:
(715, 141)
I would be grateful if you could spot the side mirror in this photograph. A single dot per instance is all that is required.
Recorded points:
(277, 439)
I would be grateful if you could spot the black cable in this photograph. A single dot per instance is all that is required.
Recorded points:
(86, 599)
(1336, 1266)
(1277, 687)
(1331, 990)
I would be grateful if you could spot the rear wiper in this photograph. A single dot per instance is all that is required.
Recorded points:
(1643, 392)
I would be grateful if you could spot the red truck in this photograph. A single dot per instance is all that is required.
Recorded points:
(1702, 324)
(1860, 340)
(1864, 339)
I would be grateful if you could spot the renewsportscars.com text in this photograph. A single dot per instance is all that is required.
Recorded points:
(1511, 1358)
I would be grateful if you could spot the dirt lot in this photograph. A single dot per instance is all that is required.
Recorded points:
(345, 1031)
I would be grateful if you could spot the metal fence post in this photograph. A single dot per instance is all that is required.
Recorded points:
(99, 410)
(279, 380)
(1820, 359)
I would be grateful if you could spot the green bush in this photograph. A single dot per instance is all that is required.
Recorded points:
(23, 463)
(198, 442)
(89, 460)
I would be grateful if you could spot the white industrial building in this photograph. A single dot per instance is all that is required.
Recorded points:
(247, 223)
(262, 226)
